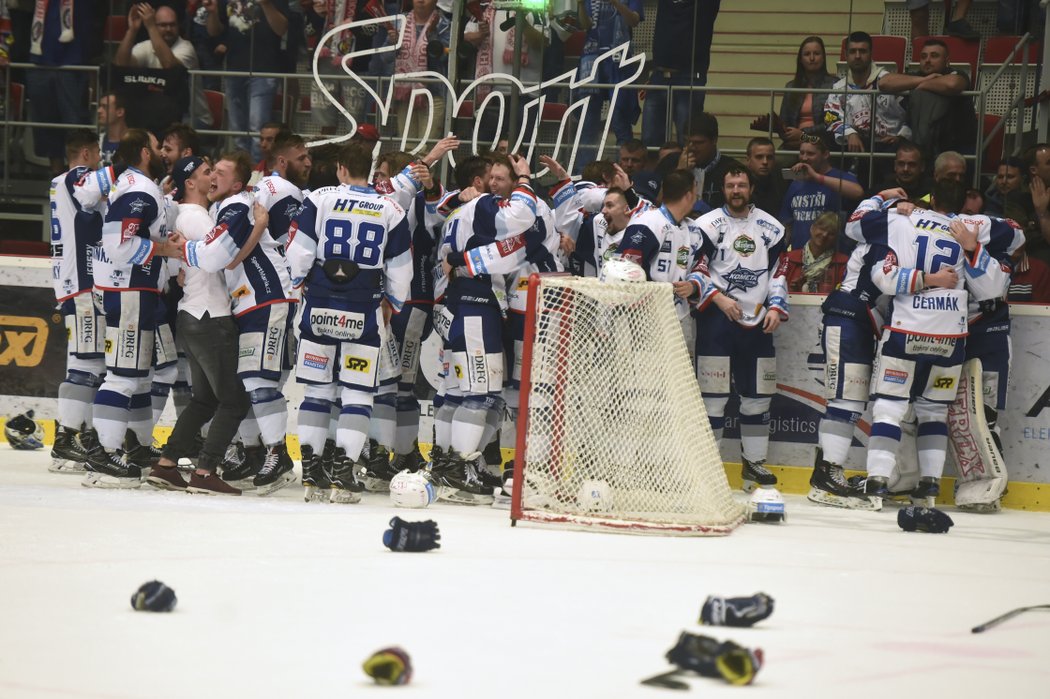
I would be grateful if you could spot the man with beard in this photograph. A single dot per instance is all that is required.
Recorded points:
(281, 191)
(738, 287)
(596, 234)
(129, 280)
(178, 141)
(258, 283)
(209, 337)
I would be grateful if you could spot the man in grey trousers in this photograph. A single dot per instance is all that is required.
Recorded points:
(208, 335)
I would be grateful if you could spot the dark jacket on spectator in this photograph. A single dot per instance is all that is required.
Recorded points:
(791, 106)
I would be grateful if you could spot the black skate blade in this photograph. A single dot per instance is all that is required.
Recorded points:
(666, 680)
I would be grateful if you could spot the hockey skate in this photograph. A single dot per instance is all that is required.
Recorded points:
(145, 456)
(67, 456)
(241, 465)
(276, 471)
(505, 493)
(413, 460)
(828, 486)
(378, 470)
(459, 482)
(875, 488)
(345, 488)
(110, 469)
(756, 475)
(926, 492)
(316, 483)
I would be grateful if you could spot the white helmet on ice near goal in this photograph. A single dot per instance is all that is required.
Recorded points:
(620, 269)
(412, 489)
(766, 505)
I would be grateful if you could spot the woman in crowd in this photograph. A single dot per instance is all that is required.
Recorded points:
(817, 267)
(803, 112)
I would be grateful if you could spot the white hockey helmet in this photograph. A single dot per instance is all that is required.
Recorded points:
(23, 432)
(412, 489)
(766, 505)
(620, 269)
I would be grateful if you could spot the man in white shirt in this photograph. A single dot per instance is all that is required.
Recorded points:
(209, 337)
(164, 50)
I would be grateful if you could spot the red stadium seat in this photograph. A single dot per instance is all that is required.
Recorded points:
(574, 44)
(17, 92)
(216, 102)
(993, 149)
(959, 52)
(116, 27)
(997, 50)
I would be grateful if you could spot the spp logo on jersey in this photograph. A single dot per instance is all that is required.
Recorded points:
(22, 341)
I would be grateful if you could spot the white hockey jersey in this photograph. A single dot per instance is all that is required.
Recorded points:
(282, 200)
(742, 258)
(92, 193)
(486, 219)
(262, 277)
(75, 233)
(919, 244)
(358, 225)
(135, 220)
(991, 266)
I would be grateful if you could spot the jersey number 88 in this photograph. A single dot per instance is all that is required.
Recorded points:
(360, 242)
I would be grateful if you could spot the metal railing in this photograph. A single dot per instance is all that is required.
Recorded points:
(381, 84)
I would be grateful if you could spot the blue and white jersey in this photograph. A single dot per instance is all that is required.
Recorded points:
(282, 200)
(357, 225)
(742, 258)
(92, 192)
(486, 219)
(135, 220)
(663, 247)
(544, 258)
(918, 245)
(575, 216)
(75, 233)
(424, 222)
(262, 277)
(991, 266)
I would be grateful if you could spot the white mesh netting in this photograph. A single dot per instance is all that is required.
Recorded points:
(617, 434)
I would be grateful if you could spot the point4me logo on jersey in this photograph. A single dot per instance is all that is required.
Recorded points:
(341, 325)
(22, 341)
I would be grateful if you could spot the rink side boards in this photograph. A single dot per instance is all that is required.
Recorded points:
(32, 364)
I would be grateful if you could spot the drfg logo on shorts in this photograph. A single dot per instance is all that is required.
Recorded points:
(357, 364)
(23, 340)
(273, 342)
(129, 344)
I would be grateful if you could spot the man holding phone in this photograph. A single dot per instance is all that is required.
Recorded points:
(817, 189)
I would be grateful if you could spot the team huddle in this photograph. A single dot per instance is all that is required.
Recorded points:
(212, 291)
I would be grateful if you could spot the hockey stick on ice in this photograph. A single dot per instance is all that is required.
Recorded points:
(1006, 617)
(666, 680)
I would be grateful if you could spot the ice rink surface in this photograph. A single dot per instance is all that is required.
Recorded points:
(278, 598)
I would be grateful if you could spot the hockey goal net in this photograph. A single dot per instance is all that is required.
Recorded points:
(612, 431)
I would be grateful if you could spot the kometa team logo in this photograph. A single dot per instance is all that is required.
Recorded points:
(742, 278)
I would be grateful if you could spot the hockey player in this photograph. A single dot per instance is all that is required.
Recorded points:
(129, 279)
(662, 241)
(350, 250)
(741, 298)
(280, 192)
(851, 326)
(474, 349)
(258, 283)
(75, 234)
(595, 234)
(922, 349)
(988, 353)
(208, 337)
(395, 416)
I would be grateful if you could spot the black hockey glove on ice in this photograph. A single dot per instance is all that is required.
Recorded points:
(708, 657)
(736, 611)
(412, 536)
